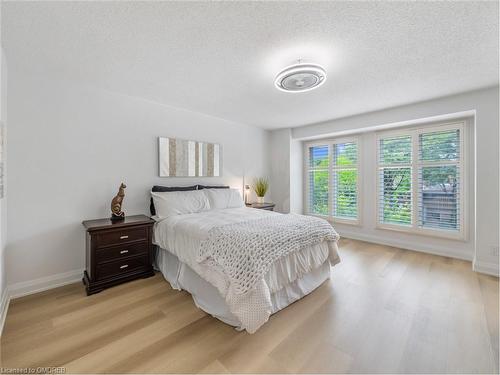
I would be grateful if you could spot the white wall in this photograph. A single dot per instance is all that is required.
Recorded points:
(4, 296)
(485, 163)
(296, 176)
(3, 205)
(71, 145)
(286, 171)
(280, 169)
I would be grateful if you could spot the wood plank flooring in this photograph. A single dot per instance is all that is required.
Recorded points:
(385, 310)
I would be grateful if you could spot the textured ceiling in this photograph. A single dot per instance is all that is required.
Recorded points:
(220, 58)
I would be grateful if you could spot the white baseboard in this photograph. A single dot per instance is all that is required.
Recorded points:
(4, 306)
(424, 248)
(44, 283)
(486, 267)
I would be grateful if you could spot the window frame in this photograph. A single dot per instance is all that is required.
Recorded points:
(415, 165)
(331, 168)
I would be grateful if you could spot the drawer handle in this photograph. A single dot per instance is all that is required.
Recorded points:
(124, 266)
(124, 252)
(123, 237)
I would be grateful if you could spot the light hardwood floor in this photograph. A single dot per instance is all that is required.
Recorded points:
(384, 310)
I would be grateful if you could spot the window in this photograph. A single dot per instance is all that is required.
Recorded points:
(319, 170)
(420, 185)
(332, 180)
(345, 181)
(395, 192)
(439, 180)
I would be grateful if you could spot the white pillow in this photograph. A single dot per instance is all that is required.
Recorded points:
(224, 198)
(170, 203)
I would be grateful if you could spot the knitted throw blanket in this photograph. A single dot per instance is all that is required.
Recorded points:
(244, 253)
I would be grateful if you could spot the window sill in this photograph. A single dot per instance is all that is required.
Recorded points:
(355, 223)
(436, 233)
(333, 220)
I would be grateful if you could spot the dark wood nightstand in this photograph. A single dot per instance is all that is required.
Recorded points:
(117, 251)
(262, 206)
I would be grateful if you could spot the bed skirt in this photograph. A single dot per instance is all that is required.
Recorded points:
(207, 297)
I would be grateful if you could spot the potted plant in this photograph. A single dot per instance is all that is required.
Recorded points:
(260, 186)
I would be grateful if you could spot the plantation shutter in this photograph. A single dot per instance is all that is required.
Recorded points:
(318, 176)
(332, 180)
(395, 180)
(345, 180)
(439, 180)
(420, 179)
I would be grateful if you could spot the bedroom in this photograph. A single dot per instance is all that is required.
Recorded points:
(391, 141)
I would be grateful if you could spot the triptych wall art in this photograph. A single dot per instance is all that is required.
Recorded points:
(183, 158)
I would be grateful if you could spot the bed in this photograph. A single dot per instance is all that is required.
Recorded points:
(223, 253)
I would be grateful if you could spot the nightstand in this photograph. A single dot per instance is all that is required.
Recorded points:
(262, 206)
(117, 252)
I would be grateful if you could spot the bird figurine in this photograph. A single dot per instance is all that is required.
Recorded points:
(116, 204)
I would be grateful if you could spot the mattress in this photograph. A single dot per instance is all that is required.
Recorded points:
(207, 297)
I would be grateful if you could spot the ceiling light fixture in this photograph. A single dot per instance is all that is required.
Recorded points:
(300, 77)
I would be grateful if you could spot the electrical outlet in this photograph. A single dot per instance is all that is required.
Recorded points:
(494, 250)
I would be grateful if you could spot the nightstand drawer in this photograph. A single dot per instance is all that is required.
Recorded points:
(120, 267)
(122, 251)
(117, 237)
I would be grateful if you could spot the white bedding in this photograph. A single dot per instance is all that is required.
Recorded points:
(182, 236)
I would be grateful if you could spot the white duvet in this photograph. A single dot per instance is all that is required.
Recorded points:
(182, 235)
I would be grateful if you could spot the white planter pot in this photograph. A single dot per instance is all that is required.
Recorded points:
(260, 199)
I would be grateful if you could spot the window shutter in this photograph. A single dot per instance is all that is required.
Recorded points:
(395, 203)
(439, 180)
(318, 176)
(395, 180)
(345, 180)
(332, 180)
